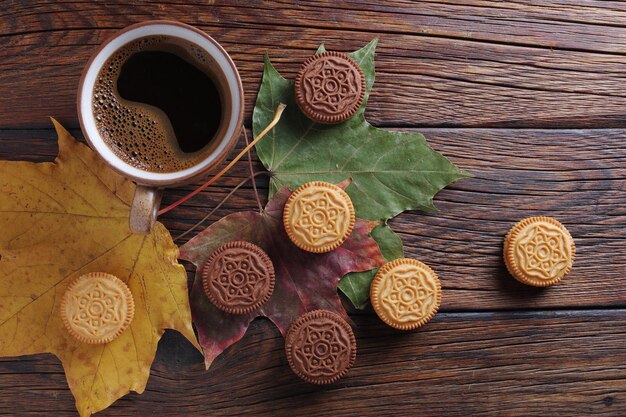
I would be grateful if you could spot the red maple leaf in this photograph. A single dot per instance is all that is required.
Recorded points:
(304, 281)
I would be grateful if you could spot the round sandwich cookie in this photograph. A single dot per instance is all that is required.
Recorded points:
(238, 277)
(318, 217)
(320, 347)
(405, 293)
(330, 87)
(97, 307)
(539, 251)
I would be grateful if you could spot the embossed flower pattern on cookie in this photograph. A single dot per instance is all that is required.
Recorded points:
(323, 217)
(542, 251)
(97, 307)
(405, 293)
(238, 277)
(539, 251)
(319, 216)
(320, 347)
(330, 87)
(408, 294)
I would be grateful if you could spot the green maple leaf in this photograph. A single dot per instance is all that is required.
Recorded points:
(390, 171)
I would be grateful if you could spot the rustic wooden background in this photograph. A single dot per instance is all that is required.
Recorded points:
(528, 96)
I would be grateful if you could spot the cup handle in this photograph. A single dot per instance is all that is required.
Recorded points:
(144, 210)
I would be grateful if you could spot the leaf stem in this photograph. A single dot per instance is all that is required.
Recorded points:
(217, 207)
(277, 114)
(256, 192)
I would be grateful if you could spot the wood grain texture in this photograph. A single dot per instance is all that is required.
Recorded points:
(576, 176)
(438, 63)
(527, 96)
(492, 364)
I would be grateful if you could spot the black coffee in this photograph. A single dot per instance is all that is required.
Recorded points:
(157, 104)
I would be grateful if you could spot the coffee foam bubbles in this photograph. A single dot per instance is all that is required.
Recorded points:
(140, 134)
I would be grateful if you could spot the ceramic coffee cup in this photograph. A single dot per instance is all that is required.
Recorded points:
(150, 184)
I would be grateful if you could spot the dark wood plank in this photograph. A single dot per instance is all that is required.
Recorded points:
(493, 69)
(576, 176)
(492, 364)
(439, 63)
(589, 25)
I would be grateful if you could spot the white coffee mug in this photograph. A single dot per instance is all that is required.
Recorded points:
(150, 184)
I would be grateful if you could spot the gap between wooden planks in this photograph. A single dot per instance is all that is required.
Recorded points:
(453, 63)
(577, 176)
(492, 364)
(438, 63)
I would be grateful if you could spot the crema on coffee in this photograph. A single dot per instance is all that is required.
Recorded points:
(157, 104)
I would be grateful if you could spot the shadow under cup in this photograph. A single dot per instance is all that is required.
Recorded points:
(149, 183)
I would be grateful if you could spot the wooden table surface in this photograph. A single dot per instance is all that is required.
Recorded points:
(528, 96)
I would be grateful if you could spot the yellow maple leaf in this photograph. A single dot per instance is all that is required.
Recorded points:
(59, 220)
